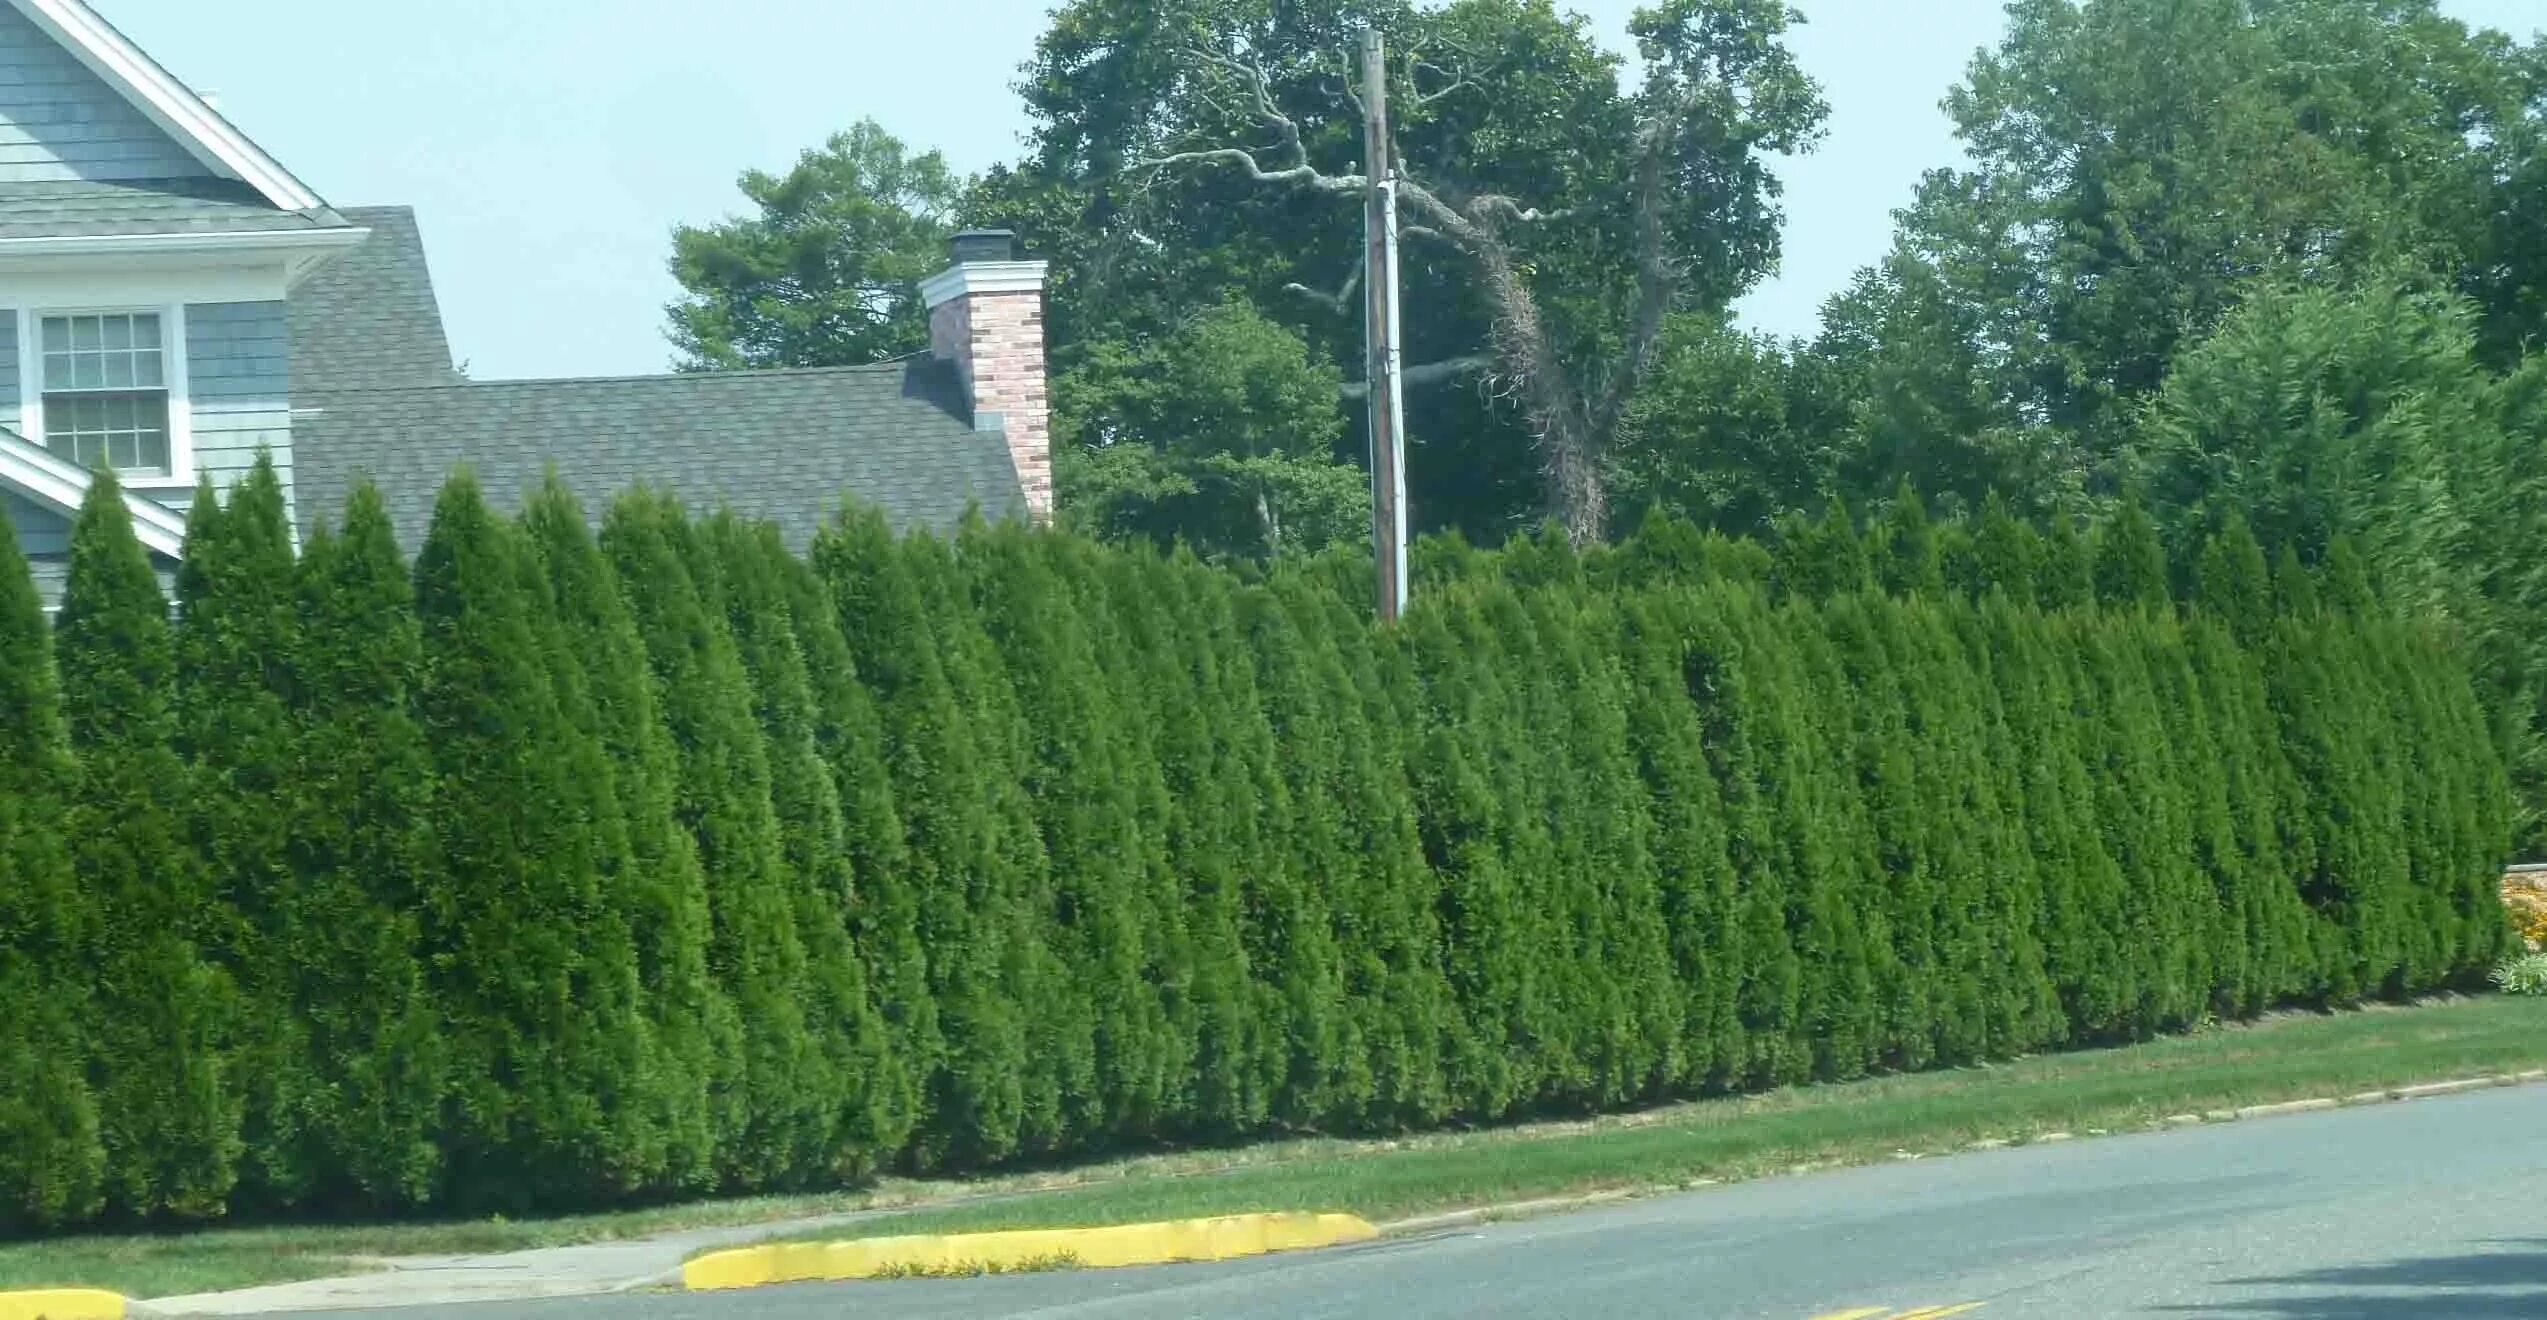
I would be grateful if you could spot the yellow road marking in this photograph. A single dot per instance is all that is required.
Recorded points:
(1938, 1312)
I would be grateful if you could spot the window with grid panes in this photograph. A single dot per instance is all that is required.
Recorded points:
(106, 391)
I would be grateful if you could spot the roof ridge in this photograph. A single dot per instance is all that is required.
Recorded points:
(734, 373)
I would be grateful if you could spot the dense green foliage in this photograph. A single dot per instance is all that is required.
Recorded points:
(2272, 259)
(589, 870)
(163, 1008)
(51, 1163)
(1204, 322)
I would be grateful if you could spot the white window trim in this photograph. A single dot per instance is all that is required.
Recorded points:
(181, 413)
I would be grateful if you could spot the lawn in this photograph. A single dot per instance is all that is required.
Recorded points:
(2284, 1058)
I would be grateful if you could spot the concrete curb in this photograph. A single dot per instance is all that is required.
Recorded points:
(1548, 1205)
(2392, 1095)
(1227, 1237)
(63, 1304)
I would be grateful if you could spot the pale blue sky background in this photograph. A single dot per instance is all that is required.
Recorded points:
(550, 145)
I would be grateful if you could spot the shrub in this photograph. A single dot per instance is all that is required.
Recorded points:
(160, 1027)
(51, 1162)
(603, 869)
(2524, 975)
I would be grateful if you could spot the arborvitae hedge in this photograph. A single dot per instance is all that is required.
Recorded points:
(692, 1104)
(161, 1022)
(51, 1164)
(544, 1039)
(235, 637)
(599, 869)
(363, 1094)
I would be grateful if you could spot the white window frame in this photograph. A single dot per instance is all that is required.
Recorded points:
(181, 413)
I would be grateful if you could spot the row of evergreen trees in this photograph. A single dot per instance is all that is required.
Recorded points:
(567, 869)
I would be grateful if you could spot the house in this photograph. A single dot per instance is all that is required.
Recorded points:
(173, 300)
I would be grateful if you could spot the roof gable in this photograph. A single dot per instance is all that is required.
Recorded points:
(191, 124)
(35, 473)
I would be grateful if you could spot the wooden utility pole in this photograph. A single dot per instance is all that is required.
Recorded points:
(1388, 412)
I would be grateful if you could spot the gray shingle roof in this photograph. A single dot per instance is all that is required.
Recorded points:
(374, 394)
(80, 208)
(785, 446)
(369, 317)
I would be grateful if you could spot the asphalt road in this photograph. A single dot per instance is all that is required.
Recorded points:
(2435, 1210)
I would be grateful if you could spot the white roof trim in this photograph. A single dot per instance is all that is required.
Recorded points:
(211, 243)
(172, 105)
(40, 476)
(982, 277)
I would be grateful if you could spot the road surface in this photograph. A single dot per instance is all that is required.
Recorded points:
(2435, 1210)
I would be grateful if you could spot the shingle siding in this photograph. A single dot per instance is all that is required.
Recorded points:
(44, 536)
(239, 378)
(41, 531)
(51, 571)
(59, 121)
(10, 403)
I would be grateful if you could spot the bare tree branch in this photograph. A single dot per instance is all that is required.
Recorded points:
(1458, 83)
(1430, 373)
(1303, 174)
(1499, 206)
(1295, 169)
(1570, 425)
(1339, 301)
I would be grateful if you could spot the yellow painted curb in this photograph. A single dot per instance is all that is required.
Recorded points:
(1225, 1238)
(62, 1304)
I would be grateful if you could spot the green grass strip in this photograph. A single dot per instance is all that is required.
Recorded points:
(2285, 1058)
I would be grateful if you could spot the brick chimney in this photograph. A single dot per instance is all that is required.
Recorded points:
(986, 315)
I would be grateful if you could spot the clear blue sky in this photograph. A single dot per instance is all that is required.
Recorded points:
(550, 146)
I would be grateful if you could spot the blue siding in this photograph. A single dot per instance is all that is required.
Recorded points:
(41, 531)
(9, 401)
(58, 121)
(238, 375)
(45, 537)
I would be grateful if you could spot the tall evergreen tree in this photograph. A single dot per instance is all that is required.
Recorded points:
(1820, 559)
(695, 1104)
(1604, 843)
(1387, 923)
(2233, 584)
(539, 1016)
(722, 795)
(883, 912)
(1081, 772)
(1912, 561)
(356, 1094)
(746, 562)
(51, 1162)
(2007, 553)
(975, 1082)
(2131, 562)
(1294, 937)
(1694, 875)
(1059, 1063)
(160, 1030)
(1172, 662)
(235, 636)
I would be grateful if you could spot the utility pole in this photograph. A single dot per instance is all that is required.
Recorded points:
(1381, 322)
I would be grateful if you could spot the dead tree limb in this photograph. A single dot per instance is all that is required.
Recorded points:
(1570, 424)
